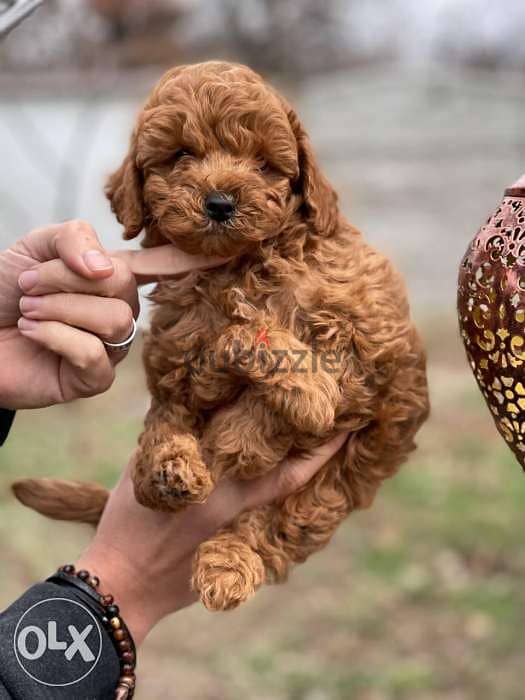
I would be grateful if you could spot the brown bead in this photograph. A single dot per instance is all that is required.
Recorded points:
(107, 600)
(119, 635)
(127, 657)
(68, 569)
(94, 582)
(124, 645)
(115, 623)
(127, 669)
(129, 681)
(83, 575)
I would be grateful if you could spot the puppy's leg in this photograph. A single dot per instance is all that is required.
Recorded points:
(244, 440)
(226, 571)
(286, 373)
(169, 470)
(262, 544)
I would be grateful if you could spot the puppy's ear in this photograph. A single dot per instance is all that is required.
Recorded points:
(320, 199)
(124, 191)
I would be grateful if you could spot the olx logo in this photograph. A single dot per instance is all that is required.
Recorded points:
(51, 642)
(58, 642)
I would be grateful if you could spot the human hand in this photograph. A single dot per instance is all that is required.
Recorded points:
(61, 295)
(150, 578)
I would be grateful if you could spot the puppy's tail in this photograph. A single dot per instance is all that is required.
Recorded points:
(63, 500)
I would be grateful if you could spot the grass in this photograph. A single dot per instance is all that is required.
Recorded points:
(419, 598)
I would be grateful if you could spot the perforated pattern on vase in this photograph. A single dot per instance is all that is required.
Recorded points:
(491, 308)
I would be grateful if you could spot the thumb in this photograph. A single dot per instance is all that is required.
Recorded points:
(75, 243)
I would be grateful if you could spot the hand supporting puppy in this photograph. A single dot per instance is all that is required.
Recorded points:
(153, 578)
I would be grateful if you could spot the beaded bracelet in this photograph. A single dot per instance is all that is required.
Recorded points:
(112, 621)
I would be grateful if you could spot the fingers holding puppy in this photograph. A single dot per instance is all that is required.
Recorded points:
(232, 497)
(61, 306)
(55, 277)
(291, 475)
(109, 319)
(87, 369)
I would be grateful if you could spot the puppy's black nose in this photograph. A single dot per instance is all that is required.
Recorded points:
(219, 206)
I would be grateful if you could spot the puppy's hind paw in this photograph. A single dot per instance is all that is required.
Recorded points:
(226, 572)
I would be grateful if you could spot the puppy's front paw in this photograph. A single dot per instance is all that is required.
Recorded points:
(226, 572)
(172, 475)
(243, 352)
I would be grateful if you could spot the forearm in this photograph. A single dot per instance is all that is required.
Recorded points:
(137, 560)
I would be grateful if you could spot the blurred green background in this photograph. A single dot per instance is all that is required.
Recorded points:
(416, 111)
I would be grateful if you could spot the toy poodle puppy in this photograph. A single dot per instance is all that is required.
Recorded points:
(303, 332)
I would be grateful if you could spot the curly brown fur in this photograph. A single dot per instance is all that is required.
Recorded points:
(304, 333)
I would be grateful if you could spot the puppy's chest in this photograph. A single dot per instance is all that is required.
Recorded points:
(293, 306)
(246, 299)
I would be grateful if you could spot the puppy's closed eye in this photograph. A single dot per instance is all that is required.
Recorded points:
(263, 166)
(181, 153)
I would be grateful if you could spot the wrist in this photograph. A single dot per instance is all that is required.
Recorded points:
(104, 604)
(140, 608)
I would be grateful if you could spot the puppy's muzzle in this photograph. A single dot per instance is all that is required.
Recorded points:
(219, 207)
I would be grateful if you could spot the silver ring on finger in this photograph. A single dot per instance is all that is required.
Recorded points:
(125, 344)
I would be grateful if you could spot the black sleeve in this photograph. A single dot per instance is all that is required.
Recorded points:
(6, 421)
(53, 646)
